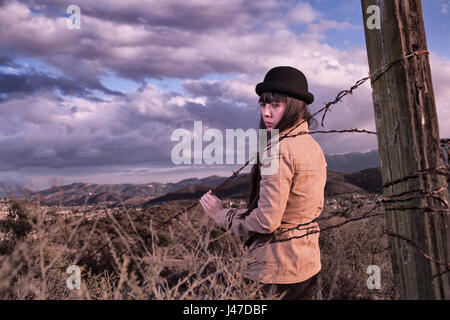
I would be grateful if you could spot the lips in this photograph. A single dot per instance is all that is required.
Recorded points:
(268, 124)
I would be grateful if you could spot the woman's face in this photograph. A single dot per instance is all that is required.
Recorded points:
(272, 113)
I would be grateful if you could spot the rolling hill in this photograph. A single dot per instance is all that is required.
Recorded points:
(76, 194)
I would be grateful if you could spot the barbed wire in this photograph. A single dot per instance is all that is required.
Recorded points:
(379, 200)
(378, 73)
(441, 170)
(376, 204)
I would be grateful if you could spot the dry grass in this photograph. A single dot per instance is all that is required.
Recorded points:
(120, 257)
(347, 251)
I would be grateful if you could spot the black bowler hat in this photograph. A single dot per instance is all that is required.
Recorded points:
(286, 80)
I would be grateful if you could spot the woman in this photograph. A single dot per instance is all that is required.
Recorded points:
(284, 260)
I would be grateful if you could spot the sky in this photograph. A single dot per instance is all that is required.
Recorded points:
(99, 104)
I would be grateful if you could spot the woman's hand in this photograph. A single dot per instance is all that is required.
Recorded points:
(211, 204)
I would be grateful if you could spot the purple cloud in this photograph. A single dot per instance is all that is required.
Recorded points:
(72, 120)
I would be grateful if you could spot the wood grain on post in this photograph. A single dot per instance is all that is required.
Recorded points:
(408, 142)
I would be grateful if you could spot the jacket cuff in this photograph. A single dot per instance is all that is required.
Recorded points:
(221, 218)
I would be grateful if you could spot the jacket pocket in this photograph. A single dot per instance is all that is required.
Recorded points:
(305, 173)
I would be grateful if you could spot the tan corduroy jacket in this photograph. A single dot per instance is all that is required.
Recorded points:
(293, 195)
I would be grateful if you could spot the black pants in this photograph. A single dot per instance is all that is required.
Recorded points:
(294, 291)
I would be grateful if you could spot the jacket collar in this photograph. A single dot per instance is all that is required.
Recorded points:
(300, 128)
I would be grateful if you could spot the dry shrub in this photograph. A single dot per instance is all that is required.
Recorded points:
(122, 256)
(348, 250)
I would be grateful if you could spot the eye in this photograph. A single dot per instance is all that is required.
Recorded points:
(275, 105)
(262, 104)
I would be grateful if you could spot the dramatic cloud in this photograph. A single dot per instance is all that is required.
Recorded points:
(60, 113)
(42, 130)
(13, 84)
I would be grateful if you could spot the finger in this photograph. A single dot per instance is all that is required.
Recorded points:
(207, 209)
(205, 204)
(210, 196)
(211, 199)
(207, 201)
(214, 199)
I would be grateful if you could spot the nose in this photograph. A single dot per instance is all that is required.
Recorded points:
(266, 112)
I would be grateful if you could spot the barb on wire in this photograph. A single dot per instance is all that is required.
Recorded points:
(376, 203)
(364, 215)
(425, 193)
(332, 131)
(416, 246)
(272, 238)
(329, 216)
(429, 209)
(374, 76)
(341, 95)
(441, 170)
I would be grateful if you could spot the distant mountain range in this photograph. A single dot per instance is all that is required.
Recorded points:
(124, 194)
(73, 191)
(363, 182)
(353, 162)
(348, 173)
(143, 195)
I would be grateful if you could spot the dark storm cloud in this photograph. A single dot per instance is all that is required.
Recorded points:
(203, 88)
(6, 61)
(135, 39)
(222, 115)
(197, 16)
(29, 83)
(181, 41)
(41, 130)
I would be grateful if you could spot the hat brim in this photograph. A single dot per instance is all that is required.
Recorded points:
(280, 88)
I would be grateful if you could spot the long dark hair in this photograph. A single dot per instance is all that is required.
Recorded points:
(295, 110)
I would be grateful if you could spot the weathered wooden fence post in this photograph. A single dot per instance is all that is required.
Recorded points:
(408, 142)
